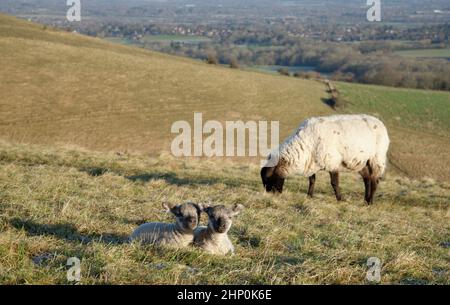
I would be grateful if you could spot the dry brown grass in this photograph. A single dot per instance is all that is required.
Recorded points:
(56, 203)
(61, 87)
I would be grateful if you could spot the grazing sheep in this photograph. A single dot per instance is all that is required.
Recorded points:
(335, 143)
(214, 238)
(178, 235)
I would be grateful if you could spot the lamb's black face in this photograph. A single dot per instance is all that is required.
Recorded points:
(187, 215)
(272, 181)
(221, 217)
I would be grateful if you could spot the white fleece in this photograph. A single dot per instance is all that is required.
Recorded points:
(162, 234)
(213, 242)
(335, 143)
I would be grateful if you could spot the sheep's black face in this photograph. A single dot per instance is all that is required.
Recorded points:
(272, 181)
(187, 215)
(221, 217)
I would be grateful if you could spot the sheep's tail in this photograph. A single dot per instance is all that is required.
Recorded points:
(379, 161)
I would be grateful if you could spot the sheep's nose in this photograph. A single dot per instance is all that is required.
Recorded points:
(221, 226)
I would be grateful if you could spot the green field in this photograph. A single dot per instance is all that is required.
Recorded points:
(418, 122)
(425, 53)
(421, 110)
(175, 38)
(160, 39)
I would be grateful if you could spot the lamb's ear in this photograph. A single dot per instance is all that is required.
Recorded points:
(206, 207)
(199, 208)
(166, 206)
(169, 206)
(237, 209)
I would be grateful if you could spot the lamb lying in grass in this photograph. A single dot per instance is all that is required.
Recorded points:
(177, 235)
(214, 238)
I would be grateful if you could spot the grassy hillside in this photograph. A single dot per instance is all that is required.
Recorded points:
(63, 87)
(418, 121)
(60, 87)
(72, 95)
(61, 202)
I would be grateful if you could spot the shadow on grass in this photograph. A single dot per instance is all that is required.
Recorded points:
(94, 171)
(169, 177)
(174, 179)
(66, 231)
(289, 260)
(330, 102)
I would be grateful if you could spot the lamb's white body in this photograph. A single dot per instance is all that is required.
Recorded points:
(162, 234)
(335, 143)
(213, 242)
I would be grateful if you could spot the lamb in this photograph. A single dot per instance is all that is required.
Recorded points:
(357, 143)
(177, 235)
(213, 238)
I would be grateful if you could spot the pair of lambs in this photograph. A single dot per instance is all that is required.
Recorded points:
(184, 232)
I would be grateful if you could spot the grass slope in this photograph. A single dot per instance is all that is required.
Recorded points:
(60, 87)
(63, 87)
(61, 202)
(418, 123)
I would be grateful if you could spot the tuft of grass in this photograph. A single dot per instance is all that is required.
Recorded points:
(52, 208)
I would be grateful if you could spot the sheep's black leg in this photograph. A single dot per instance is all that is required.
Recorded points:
(366, 177)
(312, 181)
(335, 184)
(373, 188)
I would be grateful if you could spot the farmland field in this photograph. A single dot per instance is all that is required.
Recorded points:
(159, 39)
(175, 38)
(426, 53)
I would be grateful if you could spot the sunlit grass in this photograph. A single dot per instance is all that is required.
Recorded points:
(56, 203)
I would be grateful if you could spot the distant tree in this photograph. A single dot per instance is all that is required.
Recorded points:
(211, 58)
(308, 75)
(284, 71)
(234, 64)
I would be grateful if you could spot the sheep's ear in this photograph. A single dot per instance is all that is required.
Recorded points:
(237, 209)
